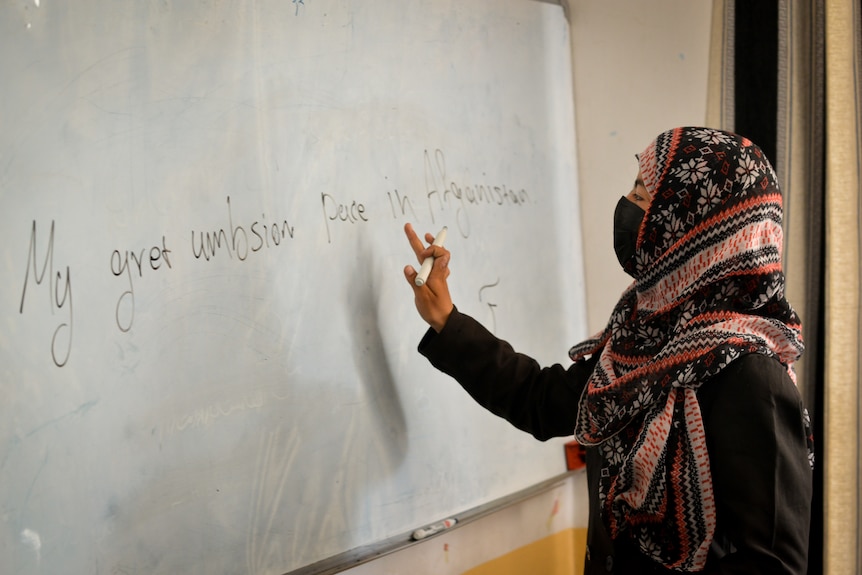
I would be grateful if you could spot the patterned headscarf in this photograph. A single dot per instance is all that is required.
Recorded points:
(708, 289)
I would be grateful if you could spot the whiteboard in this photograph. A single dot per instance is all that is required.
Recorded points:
(208, 349)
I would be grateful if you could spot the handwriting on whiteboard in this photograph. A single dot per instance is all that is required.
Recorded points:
(59, 353)
(443, 192)
(124, 313)
(236, 241)
(444, 197)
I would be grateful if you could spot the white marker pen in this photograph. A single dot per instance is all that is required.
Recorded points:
(433, 528)
(422, 276)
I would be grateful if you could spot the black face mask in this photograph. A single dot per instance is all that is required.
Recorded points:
(628, 218)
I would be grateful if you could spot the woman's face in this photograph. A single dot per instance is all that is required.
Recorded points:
(639, 195)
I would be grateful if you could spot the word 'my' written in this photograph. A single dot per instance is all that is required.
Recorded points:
(59, 354)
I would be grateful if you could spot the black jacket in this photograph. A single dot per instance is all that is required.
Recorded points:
(756, 439)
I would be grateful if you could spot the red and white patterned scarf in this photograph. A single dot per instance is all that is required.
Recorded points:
(709, 289)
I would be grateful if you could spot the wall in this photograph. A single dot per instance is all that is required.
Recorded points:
(640, 68)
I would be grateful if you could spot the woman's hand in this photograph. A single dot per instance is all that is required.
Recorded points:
(432, 299)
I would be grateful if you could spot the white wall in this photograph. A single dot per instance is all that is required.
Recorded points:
(639, 68)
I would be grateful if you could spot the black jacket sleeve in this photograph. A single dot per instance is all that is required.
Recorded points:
(540, 401)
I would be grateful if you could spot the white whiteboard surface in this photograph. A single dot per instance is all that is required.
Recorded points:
(207, 347)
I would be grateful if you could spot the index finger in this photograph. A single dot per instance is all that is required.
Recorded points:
(415, 242)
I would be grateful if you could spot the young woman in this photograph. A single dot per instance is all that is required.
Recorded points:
(698, 454)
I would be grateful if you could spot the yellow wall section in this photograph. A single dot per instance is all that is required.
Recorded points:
(559, 554)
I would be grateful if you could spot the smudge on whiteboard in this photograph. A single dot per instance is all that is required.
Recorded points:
(32, 540)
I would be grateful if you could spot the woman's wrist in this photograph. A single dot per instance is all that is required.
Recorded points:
(438, 323)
